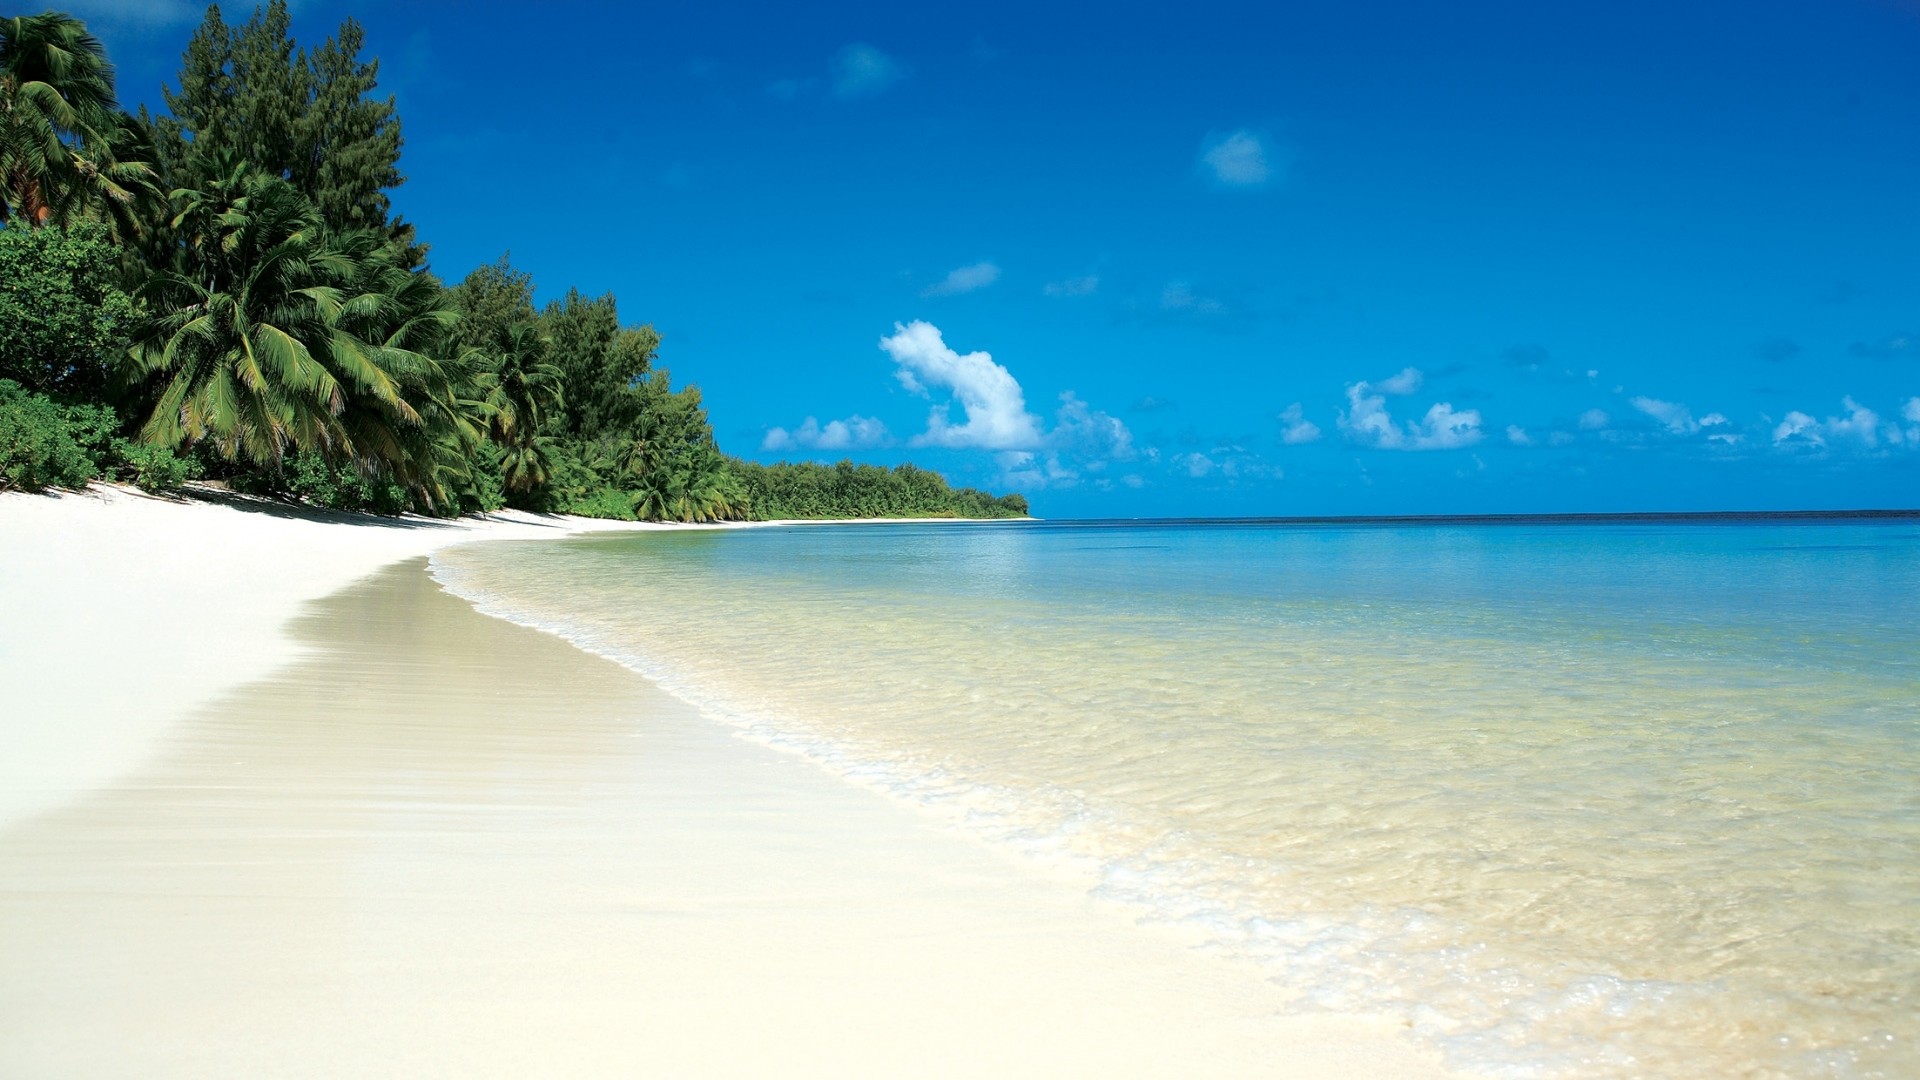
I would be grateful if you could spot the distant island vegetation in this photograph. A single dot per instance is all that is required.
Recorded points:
(223, 293)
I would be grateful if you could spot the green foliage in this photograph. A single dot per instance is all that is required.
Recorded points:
(670, 463)
(846, 490)
(43, 444)
(600, 363)
(312, 479)
(67, 153)
(274, 334)
(47, 444)
(152, 469)
(492, 300)
(480, 490)
(62, 317)
(602, 502)
(248, 93)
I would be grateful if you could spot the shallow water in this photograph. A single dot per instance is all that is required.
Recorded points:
(1576, 800)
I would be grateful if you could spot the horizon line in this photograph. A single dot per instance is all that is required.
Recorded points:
(1581, 518)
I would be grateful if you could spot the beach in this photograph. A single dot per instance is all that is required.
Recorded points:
(278, 804)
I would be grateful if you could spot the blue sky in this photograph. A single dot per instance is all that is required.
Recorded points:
(1210, 259)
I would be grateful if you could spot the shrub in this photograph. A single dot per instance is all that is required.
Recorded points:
(606, 502)
(63, 319)
(310, 477)
(40, 446)
(153, 469)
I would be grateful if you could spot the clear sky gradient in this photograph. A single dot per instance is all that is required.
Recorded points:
(1199, 259)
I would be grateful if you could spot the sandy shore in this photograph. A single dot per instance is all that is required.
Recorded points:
(282, 817)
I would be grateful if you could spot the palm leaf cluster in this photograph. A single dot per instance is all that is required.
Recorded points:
(66, 151)
(272, 334)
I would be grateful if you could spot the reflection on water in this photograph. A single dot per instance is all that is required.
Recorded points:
(1575, 800)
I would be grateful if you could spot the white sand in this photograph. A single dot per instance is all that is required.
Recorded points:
(395, 837)
(119, 612)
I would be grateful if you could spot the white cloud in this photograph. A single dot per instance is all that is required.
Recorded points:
(1445, 429)
(1714, 419)
(997, 416)
(1518, 436)
(1296, 428)
(1912, 411)
(1196, 464)
(965, 280)
(1859, 425)
(1593, 420)
(1020, 468)
(1092, 434)
(1240, 159)
(1676, 417)
(1367, 421)
(1402, 384)
(1079, 286)
(1798, 427)
(855, 432)
(860, 70)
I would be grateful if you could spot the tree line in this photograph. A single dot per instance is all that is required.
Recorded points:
(223, 292)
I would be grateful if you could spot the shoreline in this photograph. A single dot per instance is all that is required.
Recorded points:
(363, 831)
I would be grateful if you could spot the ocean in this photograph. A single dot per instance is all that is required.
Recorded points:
(1584, 799)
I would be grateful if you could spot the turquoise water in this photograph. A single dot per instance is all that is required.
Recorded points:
(1573, 800)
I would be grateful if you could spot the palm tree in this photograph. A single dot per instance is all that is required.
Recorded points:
(112, 180)
(523, 392)
(271, 335)
(56, 109)
(527, 384)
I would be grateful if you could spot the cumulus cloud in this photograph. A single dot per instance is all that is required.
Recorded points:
(1079, 427)
(1295, 428)
(1084, 442)
(1518, 436)
(1079, 286)
(1912, 411)
(996, 408)
(1238, 159)
(1409, 380)
(965, 279)
(860, 70)
(1859, 425)
(1366, 420)
(1594, 420)
(1196, 465)
(855, 432)
(1675, 417)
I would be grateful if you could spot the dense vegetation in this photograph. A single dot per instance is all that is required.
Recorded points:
(223, 292)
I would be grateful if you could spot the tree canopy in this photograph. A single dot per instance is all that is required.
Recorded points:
(250, 93)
